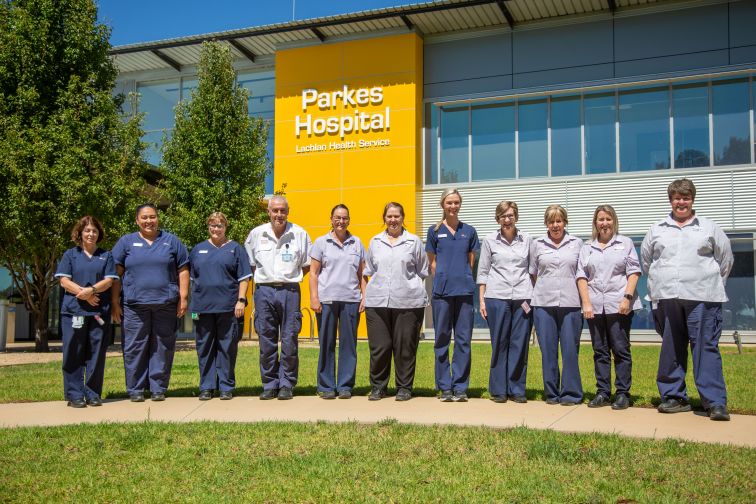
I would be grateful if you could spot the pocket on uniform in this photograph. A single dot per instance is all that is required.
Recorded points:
(297, 322)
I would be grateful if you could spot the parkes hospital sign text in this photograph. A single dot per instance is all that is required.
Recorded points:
(354, 121)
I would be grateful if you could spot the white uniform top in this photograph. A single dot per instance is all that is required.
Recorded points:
(503, 266)
(396, 272)
(692, 262)
(276, 260)
(555, 269)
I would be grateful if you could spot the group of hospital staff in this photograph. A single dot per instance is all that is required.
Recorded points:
(553, 282)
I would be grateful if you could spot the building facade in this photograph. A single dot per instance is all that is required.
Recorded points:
(576, 102)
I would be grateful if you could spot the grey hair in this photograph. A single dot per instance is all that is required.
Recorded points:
(278, 197)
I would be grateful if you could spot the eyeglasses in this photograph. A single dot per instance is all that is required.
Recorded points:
(216, 226)
(508, 216)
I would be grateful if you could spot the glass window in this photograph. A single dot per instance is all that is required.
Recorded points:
(732, 128)
(455, 129)
(644, 129)
(690, 106)
(565, 136)
(154, 139)
(262, 92)
(493, 141)
(600, 142)
(157, 102)
(187, 86)
(739, 312)
(533, 138)
(431, 147)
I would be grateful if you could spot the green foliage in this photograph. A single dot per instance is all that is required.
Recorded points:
(65, 150)
(216, 157)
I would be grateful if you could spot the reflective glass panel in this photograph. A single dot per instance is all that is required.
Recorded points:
(644, 129)
(154, 139)
(600, 143)
(690, 107)
(187, 86)
(565, 136)
(739, 312)
(156, 102)
(732, 124)
(455, 130)
(431, 146)
(533, 138)
(493, 141)
(262, 92)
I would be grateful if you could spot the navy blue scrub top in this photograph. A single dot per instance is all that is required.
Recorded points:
(453, 272)
(216, 273)
(151, 271)
(86, 271)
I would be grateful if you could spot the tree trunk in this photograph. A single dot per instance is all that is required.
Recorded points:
(41, 331)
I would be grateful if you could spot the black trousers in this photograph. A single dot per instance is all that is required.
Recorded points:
(393, 331)
(611, 333)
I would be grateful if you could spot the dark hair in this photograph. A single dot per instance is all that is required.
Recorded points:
(143, 206)
(683, 187)
(393, 204)
(337, 207)
(85, 221)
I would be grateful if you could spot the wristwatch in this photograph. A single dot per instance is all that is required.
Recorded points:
(629, 297)
(242, 300)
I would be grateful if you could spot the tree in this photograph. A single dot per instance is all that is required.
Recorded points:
(216, 157)
(65, 150)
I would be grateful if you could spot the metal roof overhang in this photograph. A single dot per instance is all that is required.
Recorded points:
(429, 18)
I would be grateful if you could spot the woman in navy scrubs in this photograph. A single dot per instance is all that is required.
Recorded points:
(154, 269)
(86, 273)
(220, 272)
(556, 313)
(451, 247)
(337, 297)
(505, 294)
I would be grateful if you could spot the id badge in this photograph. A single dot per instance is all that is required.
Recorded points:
(287, 257)
(77, 322)
(525, 307)
(195, 316)
(99, 320)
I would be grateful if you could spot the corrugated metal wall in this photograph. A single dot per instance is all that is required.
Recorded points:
(728, 196)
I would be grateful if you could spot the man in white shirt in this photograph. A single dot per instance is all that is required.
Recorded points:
(279, 253)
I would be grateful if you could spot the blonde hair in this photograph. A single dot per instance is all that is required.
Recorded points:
(447, 192)
(554, 211)
(607, 209)
(505, 205)
(218, 216)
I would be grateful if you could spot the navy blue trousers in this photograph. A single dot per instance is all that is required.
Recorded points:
(559, 328)
(345, 317)
(84, 351)
(278, 308)
(217, 336)
(149, 342)
(510, 327)
(453, 313)
(611, 333)
(699, 325)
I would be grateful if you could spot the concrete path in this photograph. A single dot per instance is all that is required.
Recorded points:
(634, 422)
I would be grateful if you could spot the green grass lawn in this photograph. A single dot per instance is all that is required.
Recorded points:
(44, 382)
(387, 462)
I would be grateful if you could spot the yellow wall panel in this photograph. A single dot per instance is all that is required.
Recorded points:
(351, 85)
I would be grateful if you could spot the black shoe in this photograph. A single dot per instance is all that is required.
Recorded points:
(621, 401)
(499, 398)
(403, 394)
(459, 397)
(94, 401)
(158, 396)
(446, 396)
(205, 395)
(552, 400)
(327, 394)
(285, 393)
(345, 394)
(570, 402)
(599, 401)
(137, 397)
(268, 394)
(520, 399)
(78, 403)
(376, 394)
(719, 414)
(226, 395)
(674, 406)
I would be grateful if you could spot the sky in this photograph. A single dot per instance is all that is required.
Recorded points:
(135, 21)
